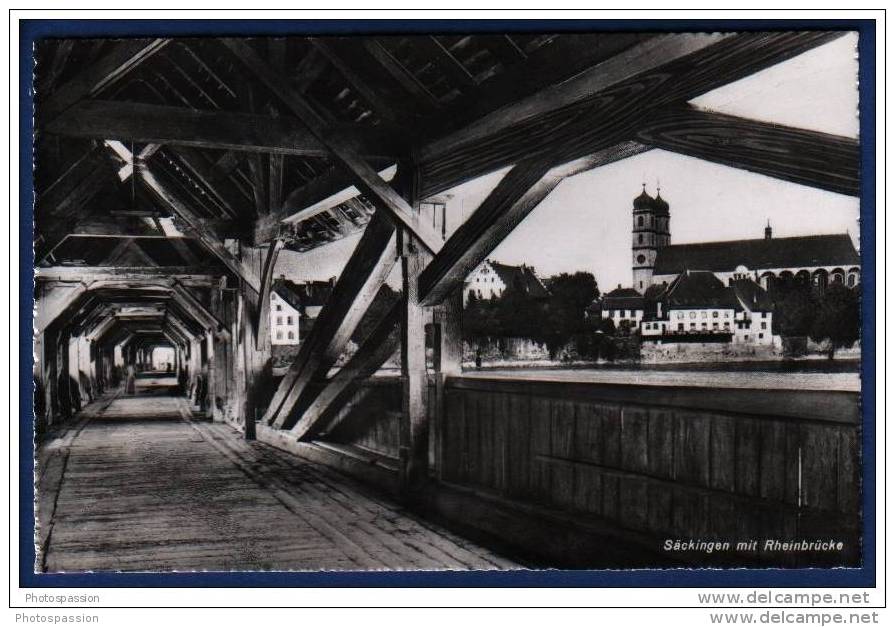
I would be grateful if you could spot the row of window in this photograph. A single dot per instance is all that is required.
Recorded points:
(280, 320)
(715, 327)
(705, 314)
(291, 335)
(620, 313)
(640, 221)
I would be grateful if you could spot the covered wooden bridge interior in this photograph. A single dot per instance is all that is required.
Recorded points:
(171, 173)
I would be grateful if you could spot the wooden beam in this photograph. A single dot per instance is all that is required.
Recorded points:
(47, 243)
(127, 54)
(647, 56)
(46, 78)
(275, 183)
(219, 130)
(309, 70)
(664, 70)
(618, 94)
(262, 321)
(193, 306)
(505, 49)
(81, 182)
(447, 344)
(800, 156)
(359, 82)
(448, 63)
(181, 245)
(414, 432)
(220, 187)
(79, 274)
(322, 414)
(55, 303)
(127, 252)
(414, 427)
(515, 196)
(411, 84)
(365, 176)
(259, 176)
(367, 269)
(317, 196)
(202, 232)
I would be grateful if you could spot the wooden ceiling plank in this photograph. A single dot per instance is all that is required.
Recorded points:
(127, 54)
(161, 124)
(800, 156)
(365, 176)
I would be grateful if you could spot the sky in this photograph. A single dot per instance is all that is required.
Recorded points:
(585, 223)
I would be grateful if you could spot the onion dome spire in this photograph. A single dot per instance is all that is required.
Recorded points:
(644, 202)
(659, 203)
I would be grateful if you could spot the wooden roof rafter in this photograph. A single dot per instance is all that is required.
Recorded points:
(457, 140)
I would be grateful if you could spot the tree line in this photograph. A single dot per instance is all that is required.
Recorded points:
(831, 315)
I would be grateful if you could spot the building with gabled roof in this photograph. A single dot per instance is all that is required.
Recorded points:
(492, 279)
(294, 307)
(623, 304)
(698, 307)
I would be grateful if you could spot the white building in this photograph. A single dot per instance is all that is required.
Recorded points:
(284, 320)
(491, 279)
(697, 306)
(294, 308)
(624, 306)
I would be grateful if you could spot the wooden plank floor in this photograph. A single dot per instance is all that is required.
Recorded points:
(138, 485)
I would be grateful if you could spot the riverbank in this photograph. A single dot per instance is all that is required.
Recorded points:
(768, 378)
(844, 363)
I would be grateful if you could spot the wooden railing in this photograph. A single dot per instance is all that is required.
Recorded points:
(669, 462)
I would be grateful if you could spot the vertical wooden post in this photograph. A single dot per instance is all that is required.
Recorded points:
(262, 322)
(210, 378)
(448, 360)
(415, 423)
(249, 374)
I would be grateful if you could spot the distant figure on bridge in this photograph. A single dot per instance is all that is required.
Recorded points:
(168, 367)
(130, 385)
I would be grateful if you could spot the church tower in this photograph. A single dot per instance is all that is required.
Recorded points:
(651, 231)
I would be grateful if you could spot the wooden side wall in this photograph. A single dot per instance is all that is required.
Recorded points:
(371, 420)
(658, 462)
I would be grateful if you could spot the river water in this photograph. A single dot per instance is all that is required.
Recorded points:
(821, 374)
